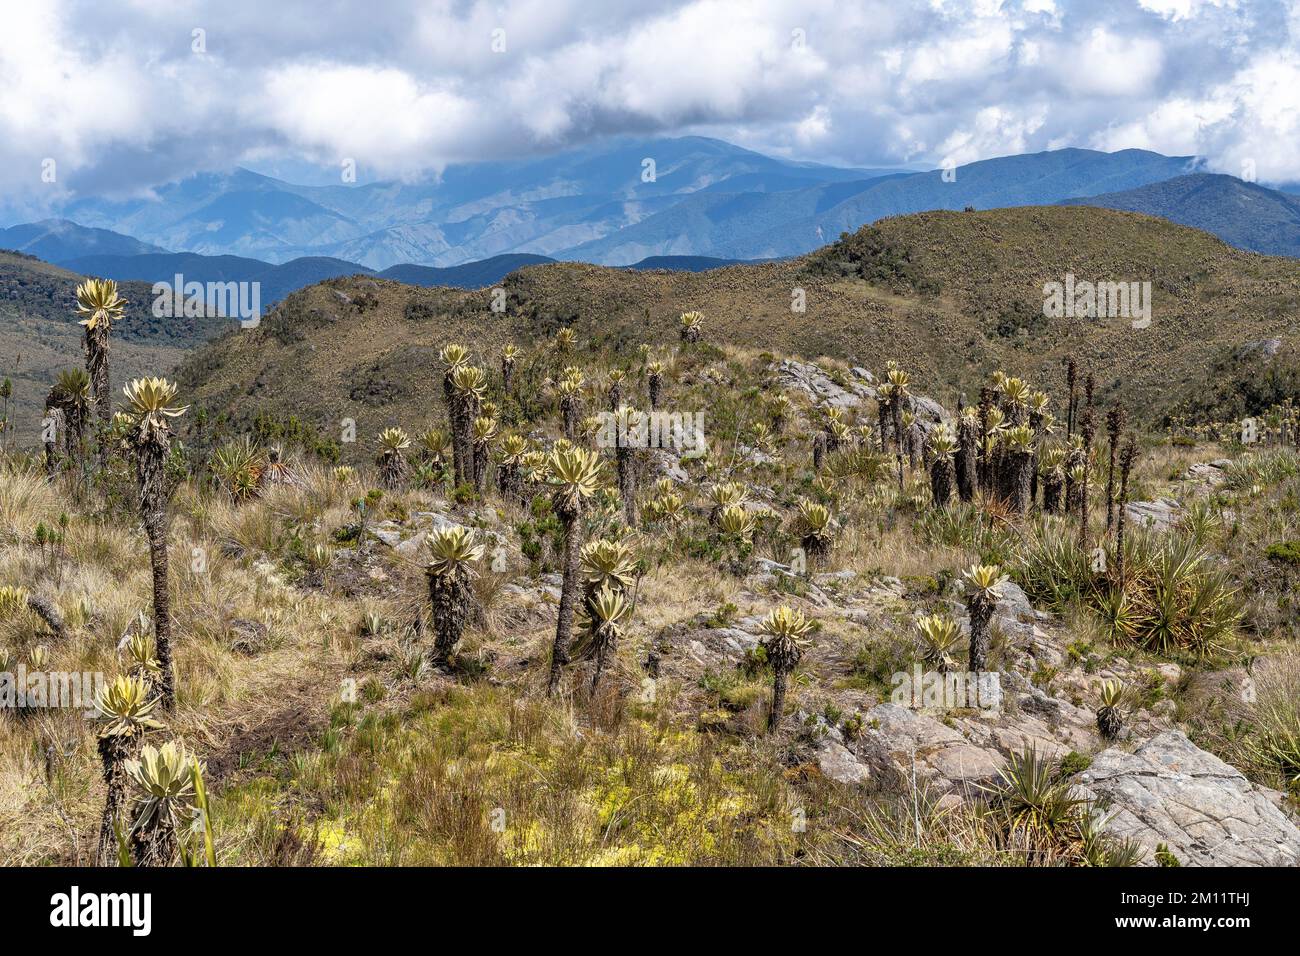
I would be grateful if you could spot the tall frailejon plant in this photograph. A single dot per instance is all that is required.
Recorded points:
(150, 406)
(453, 553)
(454, 358)
(509, 358)
(483, 433)
(943, 474)
(575, 477)
(628, 423)
(983, 584)
(785, 633)
(469, 386)
(98, 301)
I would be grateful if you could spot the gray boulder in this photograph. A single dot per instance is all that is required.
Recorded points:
(1208, 814)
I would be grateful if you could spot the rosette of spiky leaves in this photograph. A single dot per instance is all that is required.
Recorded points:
(392, 441)
(565, 340)
(589, 426)
(74, 387)
(99, 302)
(470, 381)
(150, 402)
(606, 563)
(1019, 438)
(983, 583)
(1016, 392)
(434, 443)
(984, 580)
(1051, 460)
(691, 324)
(484, 430)
(509, 356)
(126, 706)
(453, 552)
(164, 799)
(1110, 716)
(13, 599)
(605, 611)
(575, 475)
(725, 494)
(344, 474)
(535, 468)
(737, 522)
(140, 659)
(452, 357)
(815, 528)
(780, 409)
(939, 635)
(513, 448)
(785, 636)
(943, 443)
(668, 507)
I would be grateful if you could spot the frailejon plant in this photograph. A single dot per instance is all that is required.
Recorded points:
(164, 802)
(150, 404)
(99, 302)
(785, 633)
(453, 553)
(939, 635)
(983, 588)
(126, 709)
(1110, 717)
(575, 477)
(606, 610)
(393, 469)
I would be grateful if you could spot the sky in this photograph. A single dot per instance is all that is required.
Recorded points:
(104, 97)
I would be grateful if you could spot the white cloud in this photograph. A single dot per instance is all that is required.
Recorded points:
(114, 93)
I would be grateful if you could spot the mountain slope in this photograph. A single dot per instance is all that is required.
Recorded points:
(1244, 214)
(39, 335)
(784, 224)
(983, 272)
(55, 240)
(474, 211)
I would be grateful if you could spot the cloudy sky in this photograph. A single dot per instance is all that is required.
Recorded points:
(125, 94)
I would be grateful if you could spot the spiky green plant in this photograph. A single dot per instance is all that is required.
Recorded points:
(509, 358)
(453, 553)
(125, 707)
(983, 588)
(99, 302)
(939, 635)
(815, 529)
(150, 406)
(164, 801)
(691, 325)
(605, 611)
(1110, 716)
(575, 477)
(785, 632)
(393, 469)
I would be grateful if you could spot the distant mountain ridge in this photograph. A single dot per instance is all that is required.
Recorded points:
(1246, 215)
(614, 202)
(56, 239)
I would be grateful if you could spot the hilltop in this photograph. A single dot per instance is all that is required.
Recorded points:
(952, 295)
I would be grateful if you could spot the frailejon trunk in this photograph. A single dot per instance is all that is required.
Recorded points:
(981, 611)
(1053, 483)
(1021, 466)
(113, 753)
(778, 699)
(626, 459)
(942, 478)
(100, 385)
(656, 385)
(449, 600)
(967, 459)
(568, 595)
(151, 455)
